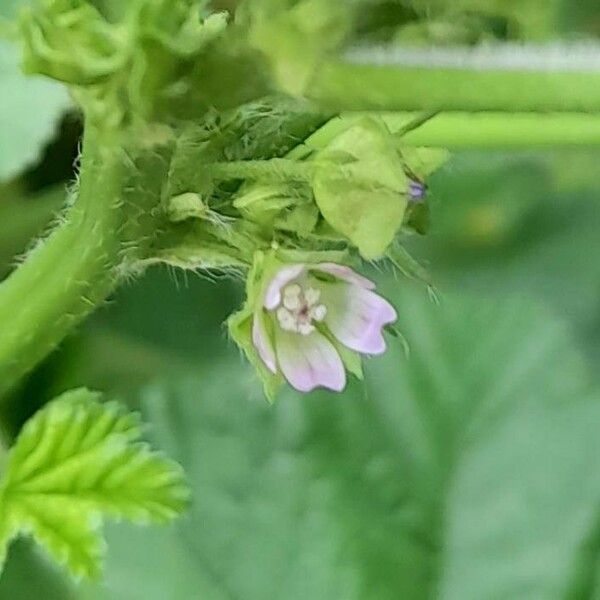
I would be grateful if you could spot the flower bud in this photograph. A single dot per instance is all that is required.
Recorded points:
(53, 32)
(366, 197)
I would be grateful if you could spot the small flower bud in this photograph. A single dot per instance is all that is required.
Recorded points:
(366, 197)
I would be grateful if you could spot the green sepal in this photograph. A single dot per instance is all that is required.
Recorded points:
(240, 324)
(187, 206)
(423, 162)
(301, 220)
(294, 256)
(284, 206)
(365, 199)
(240, 330)
(408, 265)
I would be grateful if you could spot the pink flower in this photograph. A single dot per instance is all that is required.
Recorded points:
(309, 309)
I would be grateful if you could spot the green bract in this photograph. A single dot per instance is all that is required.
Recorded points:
(366, 197)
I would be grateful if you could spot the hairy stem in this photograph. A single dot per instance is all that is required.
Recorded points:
(66, 276)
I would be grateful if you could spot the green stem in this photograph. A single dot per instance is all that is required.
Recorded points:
(489, 131)
(69, 274)
(346, 86)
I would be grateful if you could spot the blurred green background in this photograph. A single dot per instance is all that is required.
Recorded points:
(467, 468)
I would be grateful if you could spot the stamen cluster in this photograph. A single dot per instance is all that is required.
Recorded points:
(300, 309)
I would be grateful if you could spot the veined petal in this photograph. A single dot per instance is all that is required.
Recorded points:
(346, 274)
(356, 317)
(309, 361)
(262, 341)
(279, 281)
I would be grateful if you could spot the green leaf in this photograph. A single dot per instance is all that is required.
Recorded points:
(30, 108)
(78, 460)
(452, 476)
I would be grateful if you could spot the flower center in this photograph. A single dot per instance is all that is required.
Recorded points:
(300, 308)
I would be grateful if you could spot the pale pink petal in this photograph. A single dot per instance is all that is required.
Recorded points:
(309, 361)
(345, 273)
(262, 342)
(281, 279)
(356, 317)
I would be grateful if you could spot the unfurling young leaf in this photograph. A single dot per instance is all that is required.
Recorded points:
(76, 461)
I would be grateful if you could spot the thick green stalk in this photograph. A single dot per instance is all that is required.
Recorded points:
(67, 275)
(365, 87)
(486, 131)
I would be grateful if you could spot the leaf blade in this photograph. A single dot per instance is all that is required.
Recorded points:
(76, 461)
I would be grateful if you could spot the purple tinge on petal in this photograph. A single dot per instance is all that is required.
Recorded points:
(262, 342)
(281, 279)
(356, 317)
(309, 361)
(346, 274)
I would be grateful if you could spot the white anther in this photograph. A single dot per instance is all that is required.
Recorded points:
(292, 297)
(305, 328)
(292, 291)
(318, 313)
(287, 320)
(312, 296)
(292, 302)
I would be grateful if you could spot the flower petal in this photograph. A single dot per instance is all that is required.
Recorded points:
(281, 279)
(345, 273)
(309, 361)
(356, 317)
(262, 341)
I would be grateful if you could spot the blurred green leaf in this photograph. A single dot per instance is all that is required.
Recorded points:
(22, 219)
(469, 468)
(520, 224)
(30, 576)
(10, 7)
(581, 15)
